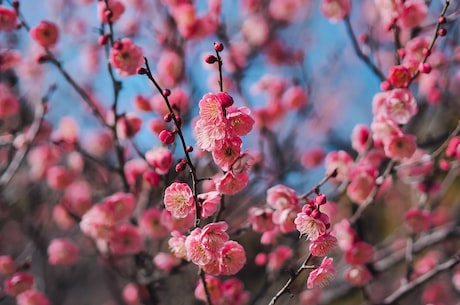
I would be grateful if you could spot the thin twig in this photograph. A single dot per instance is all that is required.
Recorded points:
(405, 289)
(359, 52)
(289, 282)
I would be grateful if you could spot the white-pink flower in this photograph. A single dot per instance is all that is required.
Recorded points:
(178, 199)
(321, 276)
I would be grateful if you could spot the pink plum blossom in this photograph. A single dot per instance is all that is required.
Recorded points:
(232, 258)
(126, 240)
(32, 297)
(127, 57)
(358, 275)
(62, 251)
(359, 253)
(150, 223)
(323, 244)
(209, 203)
(278, 257)
(178, 199)
(7, 265)
(18, 283)
(323, 275)
(8, 19)
(340, 161)
(161, 158)
(112, 12)
(335, 10)
(46, 34)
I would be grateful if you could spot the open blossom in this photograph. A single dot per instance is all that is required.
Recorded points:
(213, 236)
(335, 10)
(150, 223)
(196, 251)
(418, 220)
(232, 258)
(32, 297)
(126, 240)
(227, 152)
(161, 158)
(281, 197)
(209, 203)
(9, 104)
(230, 183)
(278, 257)
(114, 9)
(400, 147)
(214, 286)
(165, 261)
(8, 19)
(400, 106)
(170, 68)
(360, 253)
(177, 245)
(46, 33)
(362, 183)
(18, 283)
(178, 199)
(340, 161)
(285, 219)
(360, 138)
(7, 265)
(412, 13)
(311, 226)
(321, 276)
(358, 275)
(120, 205)
(98, 222)
(62, 251)
(285, 10)
(261, 219)
(399, 76)
(126, 57)
(323, 244)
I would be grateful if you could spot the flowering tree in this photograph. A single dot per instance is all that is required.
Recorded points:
(212, 152)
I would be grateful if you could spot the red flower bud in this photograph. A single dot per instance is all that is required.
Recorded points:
(218, 46)
(210, 59)
(166, 137)
(442, 32)
(141, 71)
(225, 99)
(166, 92)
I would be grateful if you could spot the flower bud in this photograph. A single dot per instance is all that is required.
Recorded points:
(225, 99)
(210, 59)
(141, 71)
(166, 92)
(218, 46)
(166, 137)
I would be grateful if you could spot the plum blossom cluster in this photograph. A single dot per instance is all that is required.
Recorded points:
(228, 292)
(210, 249)
(357, 254)
(20, 284)
(218, 130)
(107, 223)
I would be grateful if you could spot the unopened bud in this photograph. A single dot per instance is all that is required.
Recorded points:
(424, 68)
(118, 45)
(166, 92)
(166, 137)
(180, 166)
(210, 59)
(218, 46)
(442, 32)
(141, 71)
